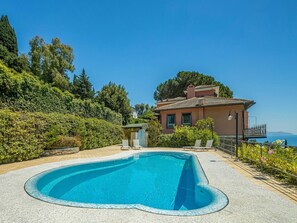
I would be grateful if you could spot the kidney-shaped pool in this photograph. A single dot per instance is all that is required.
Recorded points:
(171, 183)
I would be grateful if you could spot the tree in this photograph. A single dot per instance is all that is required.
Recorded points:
(116, 98)
(82, 87)
(207, 123)
(141, 108)
(37, 44)
(154, 131)
(9, 47)
(7, 36)
(176, 86)
(51, 62)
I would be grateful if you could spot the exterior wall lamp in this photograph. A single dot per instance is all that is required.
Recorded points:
(230, 117)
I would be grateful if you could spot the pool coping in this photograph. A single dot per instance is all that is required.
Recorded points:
(220, 202)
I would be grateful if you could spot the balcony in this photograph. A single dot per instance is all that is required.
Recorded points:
(258, 131)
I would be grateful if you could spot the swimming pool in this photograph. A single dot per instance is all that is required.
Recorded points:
(171, 183)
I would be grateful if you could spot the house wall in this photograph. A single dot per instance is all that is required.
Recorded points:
(220, 115)
(197, 113)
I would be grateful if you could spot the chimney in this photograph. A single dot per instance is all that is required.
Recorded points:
(190, 91)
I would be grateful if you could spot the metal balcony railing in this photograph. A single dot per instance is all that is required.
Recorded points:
(258, 131)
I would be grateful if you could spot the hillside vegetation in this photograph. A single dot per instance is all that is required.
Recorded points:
(24, 92)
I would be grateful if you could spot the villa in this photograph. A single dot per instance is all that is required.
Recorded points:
(201, 102)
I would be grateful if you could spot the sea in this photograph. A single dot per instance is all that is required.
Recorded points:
(291, 139)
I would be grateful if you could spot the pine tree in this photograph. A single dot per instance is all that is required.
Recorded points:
(82, 87)
(116, 98)
(7, 36)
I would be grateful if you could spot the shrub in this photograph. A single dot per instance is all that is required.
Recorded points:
(205, 135)
(154, 130)
(277, 161)
(24, 136)
(64, 142)
(24, 92)
(165, 140)
(186, 136)
(207, 123)
(183, 136)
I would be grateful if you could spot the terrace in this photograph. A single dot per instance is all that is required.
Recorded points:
(258, 201)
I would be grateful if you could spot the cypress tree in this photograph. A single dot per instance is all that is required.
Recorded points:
(7, 36)
(82, 87)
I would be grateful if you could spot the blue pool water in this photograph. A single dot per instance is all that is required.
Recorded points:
(161, 182)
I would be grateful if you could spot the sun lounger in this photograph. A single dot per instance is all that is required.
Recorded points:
(136, 144)
(207, 146)
(125, 145)
(197, 145)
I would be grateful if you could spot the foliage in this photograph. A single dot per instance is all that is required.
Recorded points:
(206, 134)
(146, 117)
(9, 59)
(186, 135)
(24, 135)
(116, 98)
(207, 123)
(9, 47)
(176, 86)
(154, 130)
(7, 36)
(64, 142)
(183, 136)
(51, 62)
(165, 140)
(82, 87)
(24, 92)
(141, 108)
(145, 114)
(272, 158)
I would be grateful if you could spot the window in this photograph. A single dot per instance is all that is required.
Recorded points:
(170, 121)
(186, 119)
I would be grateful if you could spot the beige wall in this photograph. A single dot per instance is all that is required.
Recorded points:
(219, 114)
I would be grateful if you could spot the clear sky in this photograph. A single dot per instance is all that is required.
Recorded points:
(249, 45)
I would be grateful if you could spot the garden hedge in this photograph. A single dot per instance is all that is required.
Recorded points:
(24, 92)
(25, 135)
(186, 136)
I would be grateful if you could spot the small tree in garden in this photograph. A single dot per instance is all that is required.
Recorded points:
(207, 123)
(154, 131)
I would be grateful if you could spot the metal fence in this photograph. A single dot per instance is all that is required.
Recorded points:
(279, 160)
(258, 131)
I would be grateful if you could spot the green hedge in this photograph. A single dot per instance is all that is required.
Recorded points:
(24, 135)
(24, 92)
(186, 136)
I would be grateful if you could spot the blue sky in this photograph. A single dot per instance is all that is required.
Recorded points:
(249, 45)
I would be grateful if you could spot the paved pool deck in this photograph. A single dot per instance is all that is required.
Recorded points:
(249, 201)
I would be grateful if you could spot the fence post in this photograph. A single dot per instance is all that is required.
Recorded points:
(261, 155)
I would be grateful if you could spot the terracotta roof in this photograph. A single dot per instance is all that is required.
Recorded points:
(205, 86)
(206, 101)
(172, 99)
